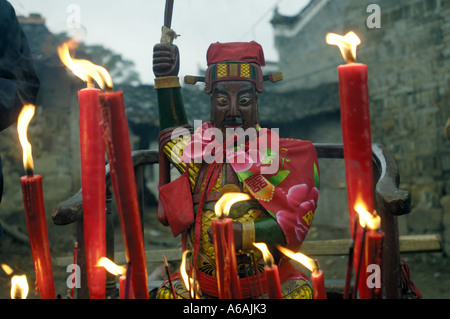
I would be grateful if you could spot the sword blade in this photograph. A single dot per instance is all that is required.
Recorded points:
(168, 13)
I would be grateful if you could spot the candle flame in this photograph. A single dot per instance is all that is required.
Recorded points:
(8, 270)
(84, 69)
(187, 280)
(111, 267)
(347, 44)
(223, 205)
(268, 258)
(19, 287)
(24, 119)
(183, 271)
(309, 263)
(189, 283)
(372, 221)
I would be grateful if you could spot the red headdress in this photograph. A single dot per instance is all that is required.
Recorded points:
(235, 61)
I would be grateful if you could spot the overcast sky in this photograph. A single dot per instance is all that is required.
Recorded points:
(132, 27)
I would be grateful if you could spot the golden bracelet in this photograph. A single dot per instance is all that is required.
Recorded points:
(167, 82)
(248, 234)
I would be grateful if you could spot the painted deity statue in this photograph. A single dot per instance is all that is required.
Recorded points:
(232, 153)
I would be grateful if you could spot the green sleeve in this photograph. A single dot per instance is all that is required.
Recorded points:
(268, 231)
(170, 102)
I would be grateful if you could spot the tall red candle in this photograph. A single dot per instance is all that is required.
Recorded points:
(118, 148)
(356, 135)
(355, 121)
(226, 264)
(93, 172)
(33, 200)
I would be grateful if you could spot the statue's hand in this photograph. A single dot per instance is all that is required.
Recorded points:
(166, 60)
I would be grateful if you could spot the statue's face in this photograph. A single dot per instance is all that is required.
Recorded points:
(234, 104)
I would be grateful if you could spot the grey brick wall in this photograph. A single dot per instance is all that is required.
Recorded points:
(409, 66)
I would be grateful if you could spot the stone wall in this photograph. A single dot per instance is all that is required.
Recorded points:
(409, 66)
(53, 132)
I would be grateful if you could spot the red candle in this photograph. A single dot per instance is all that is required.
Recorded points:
(374, 254)
(92, 150)
(33, 201)
(318, 283)
(356, 135)
(124, 281)
(272, 276)
(226, 265)
(118, 149)
(317, 277)
(225, 255)
(126, 290)
(273, 285)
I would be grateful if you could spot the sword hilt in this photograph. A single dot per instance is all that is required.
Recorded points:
(167, 34)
